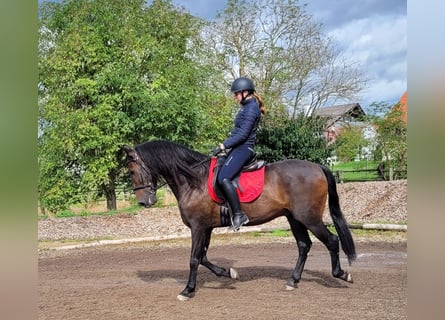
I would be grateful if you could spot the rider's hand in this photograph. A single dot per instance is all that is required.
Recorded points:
(218, 149)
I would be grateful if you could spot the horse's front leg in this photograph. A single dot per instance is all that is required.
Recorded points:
(196, 256)
(220, 272)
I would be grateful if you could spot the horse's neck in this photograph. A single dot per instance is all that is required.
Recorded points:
(179, 186)
(176, 184)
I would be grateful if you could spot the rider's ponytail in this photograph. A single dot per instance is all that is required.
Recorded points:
(260, 102)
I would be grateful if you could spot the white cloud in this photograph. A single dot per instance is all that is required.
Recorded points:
(379, 44)
(384, 90)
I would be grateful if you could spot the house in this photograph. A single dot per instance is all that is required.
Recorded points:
(337, 116)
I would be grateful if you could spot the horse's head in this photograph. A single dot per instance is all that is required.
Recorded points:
(144, 186)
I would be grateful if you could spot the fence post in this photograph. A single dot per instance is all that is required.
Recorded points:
(339, 176)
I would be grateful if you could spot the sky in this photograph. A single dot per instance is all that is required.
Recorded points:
(372, 33)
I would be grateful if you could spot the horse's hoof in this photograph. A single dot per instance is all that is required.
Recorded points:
(184, 295)
(234, 274)
(290, 285)
(182, 298)
(345, 276)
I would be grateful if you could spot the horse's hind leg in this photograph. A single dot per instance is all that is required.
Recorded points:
(331, 242)
(232, 273)
(304, 244)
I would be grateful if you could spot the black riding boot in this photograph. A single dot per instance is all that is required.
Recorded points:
(238, 217)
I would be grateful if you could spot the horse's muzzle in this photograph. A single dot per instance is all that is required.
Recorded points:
(145, 205)
(148, 202)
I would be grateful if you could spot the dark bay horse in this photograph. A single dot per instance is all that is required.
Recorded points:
(296, 189)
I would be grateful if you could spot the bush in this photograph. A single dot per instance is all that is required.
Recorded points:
(301, 138)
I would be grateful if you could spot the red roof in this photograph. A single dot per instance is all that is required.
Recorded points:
(403, 106)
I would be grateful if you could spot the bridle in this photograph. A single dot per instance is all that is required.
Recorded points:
(145, 186)
(137, 159)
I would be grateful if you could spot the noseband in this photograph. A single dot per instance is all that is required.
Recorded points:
(144, 187)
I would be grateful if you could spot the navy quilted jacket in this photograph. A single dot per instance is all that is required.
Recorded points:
(246, 125)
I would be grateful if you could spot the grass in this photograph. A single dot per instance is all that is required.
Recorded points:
(356, 165)
(279, 233)
(131, 209)
(273, 233)
(98, 208)
(240, 238)
(356, 171)
(389, 222)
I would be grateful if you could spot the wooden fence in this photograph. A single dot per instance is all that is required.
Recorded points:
(368, 175)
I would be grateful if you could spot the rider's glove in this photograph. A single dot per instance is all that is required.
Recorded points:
(218, 149)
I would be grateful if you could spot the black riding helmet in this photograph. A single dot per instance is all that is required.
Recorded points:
(242, 84)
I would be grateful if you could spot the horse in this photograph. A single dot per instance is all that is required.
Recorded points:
(296, 189)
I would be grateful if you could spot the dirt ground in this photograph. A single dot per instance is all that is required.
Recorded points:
(141, 281)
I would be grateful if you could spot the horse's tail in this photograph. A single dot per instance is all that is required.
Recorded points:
(347, 243)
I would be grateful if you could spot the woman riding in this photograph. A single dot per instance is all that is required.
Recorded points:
(241, 143)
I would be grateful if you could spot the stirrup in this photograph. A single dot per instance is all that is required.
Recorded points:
(244, 220)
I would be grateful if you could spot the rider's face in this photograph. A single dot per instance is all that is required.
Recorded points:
(238, 96)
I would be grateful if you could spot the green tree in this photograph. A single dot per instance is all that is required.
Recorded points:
(349, 143)
(391, 147)
(300, 138)
(111, 73)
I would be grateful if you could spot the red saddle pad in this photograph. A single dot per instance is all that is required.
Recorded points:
(251, 184)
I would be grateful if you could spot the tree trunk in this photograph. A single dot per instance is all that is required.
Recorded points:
(110, 192)
(111, 199)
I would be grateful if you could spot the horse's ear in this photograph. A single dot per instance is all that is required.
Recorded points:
(128, 150)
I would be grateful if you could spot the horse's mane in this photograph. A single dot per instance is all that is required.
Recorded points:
(169, 160)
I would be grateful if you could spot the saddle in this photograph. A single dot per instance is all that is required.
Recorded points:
(249, 182)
